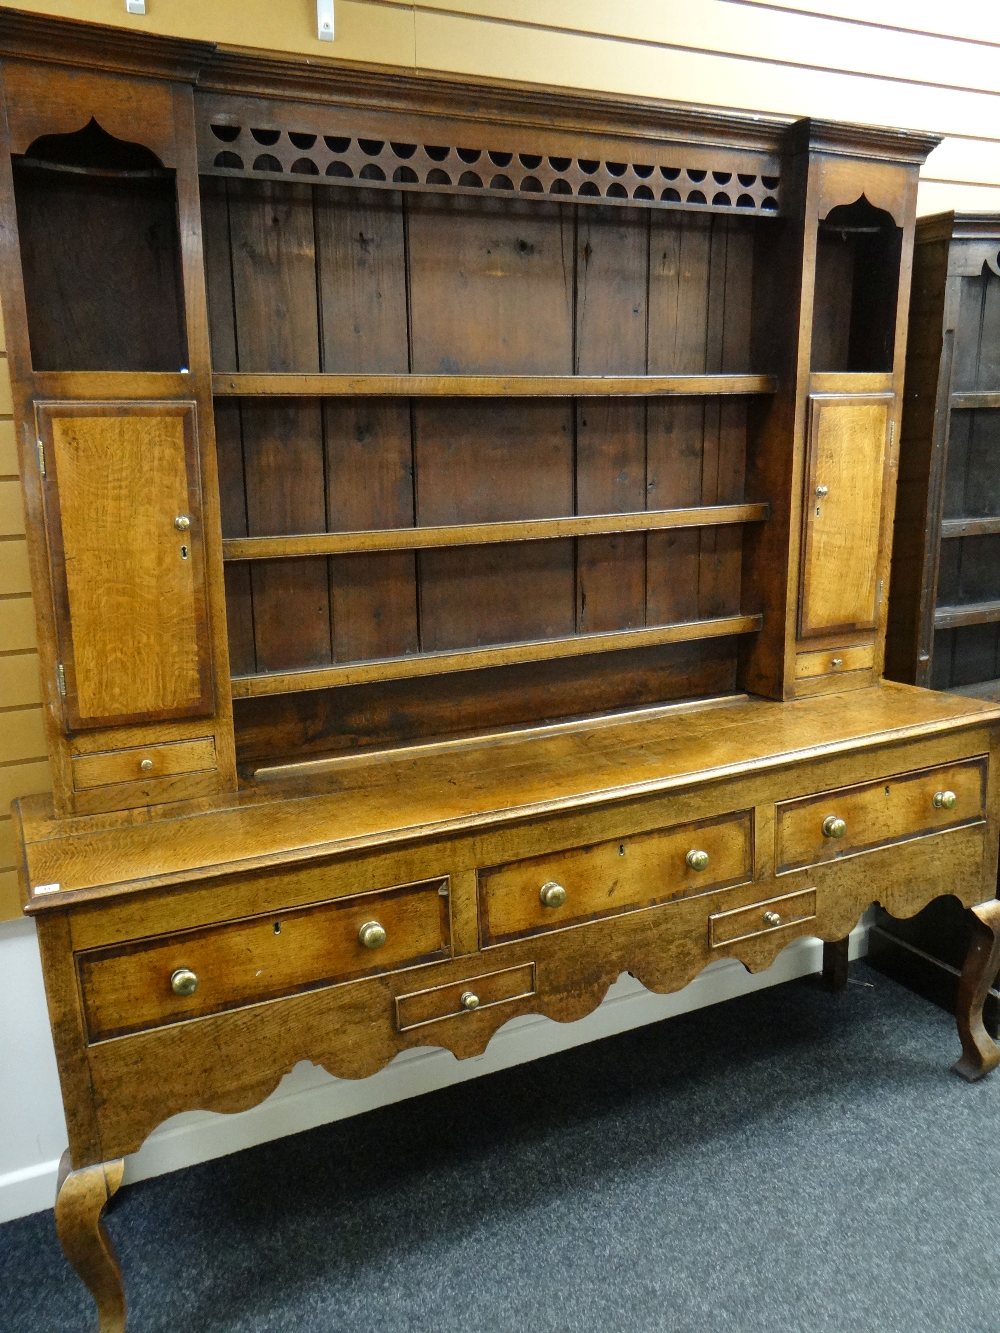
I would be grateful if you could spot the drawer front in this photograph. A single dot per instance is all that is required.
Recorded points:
(135, 986)
(765, 918)
(142, 764)
(877, 813)
(834, 661)
(612, 877)
(464, 997)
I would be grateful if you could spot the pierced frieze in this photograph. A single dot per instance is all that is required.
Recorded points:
(259, 151)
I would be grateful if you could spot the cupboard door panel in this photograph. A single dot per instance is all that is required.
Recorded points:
(842, 513)
(129, 584)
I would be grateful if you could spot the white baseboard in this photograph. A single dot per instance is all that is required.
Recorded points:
(309, 1096)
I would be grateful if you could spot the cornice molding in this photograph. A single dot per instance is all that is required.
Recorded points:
(842, 139)
(58, 41)
(430, 92)
(251, 73)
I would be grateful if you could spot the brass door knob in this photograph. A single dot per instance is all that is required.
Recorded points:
(552, 894)
(469, 1000)
(772, 918)
(183, 981)
(182, 522)
(697, 860)
(834, 827)
(944, 800)
(145, 765)
(372, 935)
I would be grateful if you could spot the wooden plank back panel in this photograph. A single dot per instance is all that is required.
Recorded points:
(333, 721)
(361, 277)
(233, 506)
(679, 276)
(977, 333)
(361, 263)
(369, 484)
(228, 423)
(491, 286)
(721, 549)
(511, 267)
(130, 586)
(612, 279)
(972, 478)
(700, 307)
(375, 281)
(101, 271)
(277, 329)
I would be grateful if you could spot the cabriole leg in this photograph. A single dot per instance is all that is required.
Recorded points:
(80, 1199)
(982, 963)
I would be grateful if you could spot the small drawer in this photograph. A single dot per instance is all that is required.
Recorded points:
(464, 997)
(583, 883)
(820, 828)
(765, 918)
(166, 979)
(834, 661)
(142, 763)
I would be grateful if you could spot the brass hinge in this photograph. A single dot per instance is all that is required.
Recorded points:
(40, 446)
(61, 679)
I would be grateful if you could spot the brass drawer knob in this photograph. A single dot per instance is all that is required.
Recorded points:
(822, 490)
(944, 800)
(552, 894)
(697, 860)
(836, 662)
(182, 523)
(834, 827)
(469, 1000)
(772, 918)
(183, 981)
(372, 935)
(145, 765)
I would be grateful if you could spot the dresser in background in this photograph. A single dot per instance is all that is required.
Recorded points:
(944, 597)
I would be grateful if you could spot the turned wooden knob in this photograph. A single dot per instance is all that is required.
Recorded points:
(552, 894)
(372, 935)
(183, 981)
(834, 827)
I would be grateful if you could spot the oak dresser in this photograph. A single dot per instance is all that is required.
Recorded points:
(459, 519)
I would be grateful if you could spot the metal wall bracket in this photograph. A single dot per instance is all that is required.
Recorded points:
(324, 20)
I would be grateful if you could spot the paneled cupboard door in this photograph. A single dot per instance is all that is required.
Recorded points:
(123, 521)
(842, 512)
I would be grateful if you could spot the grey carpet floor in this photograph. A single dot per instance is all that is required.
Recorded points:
(786, 1161)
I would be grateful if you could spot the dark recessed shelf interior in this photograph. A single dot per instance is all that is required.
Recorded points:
(100, 253)
(857, 280)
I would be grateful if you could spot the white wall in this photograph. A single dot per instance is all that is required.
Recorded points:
(919, 64)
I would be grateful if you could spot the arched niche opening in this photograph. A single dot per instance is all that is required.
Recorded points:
(857, 284)
(100, 254)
